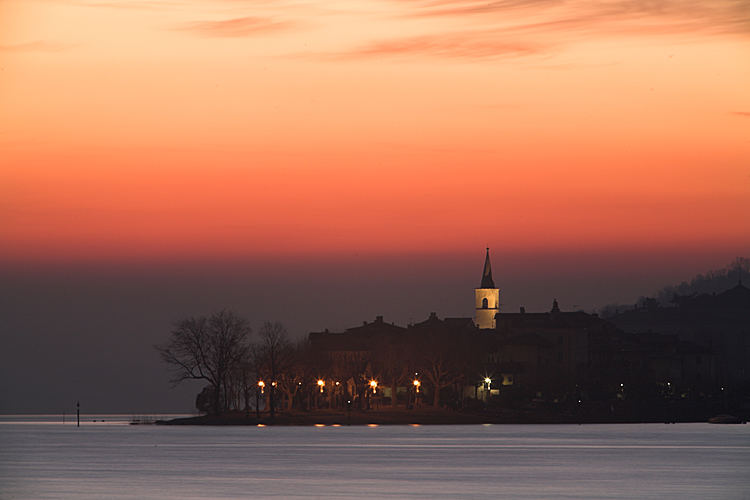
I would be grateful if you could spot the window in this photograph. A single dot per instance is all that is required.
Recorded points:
(484, 303)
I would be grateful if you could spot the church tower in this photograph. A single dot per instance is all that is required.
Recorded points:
(487, 298)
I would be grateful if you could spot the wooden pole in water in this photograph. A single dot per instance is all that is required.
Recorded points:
(78, 413)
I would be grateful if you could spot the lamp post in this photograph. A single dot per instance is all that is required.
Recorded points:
(417, 384)
(321, 386)
(258, 392)
(272, 399)
(488, 385)
(374, 387)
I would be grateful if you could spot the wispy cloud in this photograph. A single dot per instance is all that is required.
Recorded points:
(36, 46)
(504, 28)
(742, 113)
(716, 16)
(145, 5)
(460, 7)
(238, 27)
(458, 45)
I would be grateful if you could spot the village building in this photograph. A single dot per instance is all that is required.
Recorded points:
(555, 355)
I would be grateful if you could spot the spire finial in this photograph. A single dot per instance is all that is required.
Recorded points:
(487, 281)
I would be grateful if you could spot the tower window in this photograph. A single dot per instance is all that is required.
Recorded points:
(485, 304)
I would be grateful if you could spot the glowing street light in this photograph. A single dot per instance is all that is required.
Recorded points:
(487, 384)
(321, 384)
(374, 385)
(261, 386)
(417, 384)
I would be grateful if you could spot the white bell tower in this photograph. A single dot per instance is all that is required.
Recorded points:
(487, 298)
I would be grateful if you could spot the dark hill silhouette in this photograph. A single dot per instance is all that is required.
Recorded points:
(711, 282)
(718, 322)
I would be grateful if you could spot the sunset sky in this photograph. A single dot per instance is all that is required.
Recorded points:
(600, 148)
(206, 129)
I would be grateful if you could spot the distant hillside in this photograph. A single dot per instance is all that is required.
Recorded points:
(711, 282)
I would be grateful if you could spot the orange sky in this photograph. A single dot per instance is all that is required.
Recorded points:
(213, 128)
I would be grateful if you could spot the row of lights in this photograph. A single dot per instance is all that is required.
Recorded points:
(322, 383)
(262, 385)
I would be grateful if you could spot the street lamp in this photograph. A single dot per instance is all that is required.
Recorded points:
(261, 386)
(488, 384)
(374, 385)
(417, 384)
(321, 384)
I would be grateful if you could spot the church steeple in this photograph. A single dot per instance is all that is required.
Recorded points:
(487, 298)
(487, 281)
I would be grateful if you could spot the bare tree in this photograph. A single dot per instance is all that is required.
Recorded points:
(271, 357)
(295, 372)
(390, 359)
(209, 349)
(442, 358)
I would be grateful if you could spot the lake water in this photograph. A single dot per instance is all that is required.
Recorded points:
(43, 458)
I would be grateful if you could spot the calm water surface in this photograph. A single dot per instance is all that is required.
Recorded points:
(42, 458)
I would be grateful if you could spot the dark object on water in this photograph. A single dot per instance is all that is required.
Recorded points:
(725, 419)
(141, 420)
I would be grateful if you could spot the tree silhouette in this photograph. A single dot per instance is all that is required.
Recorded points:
(210, 349)
(271, 357)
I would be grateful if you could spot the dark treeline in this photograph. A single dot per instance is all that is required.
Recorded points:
(356, 369)
(714, 281)
(555, 362)
(218, 350)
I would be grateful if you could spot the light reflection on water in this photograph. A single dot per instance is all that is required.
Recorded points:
(50, 460)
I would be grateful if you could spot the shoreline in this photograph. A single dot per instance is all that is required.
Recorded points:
(422, 417)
